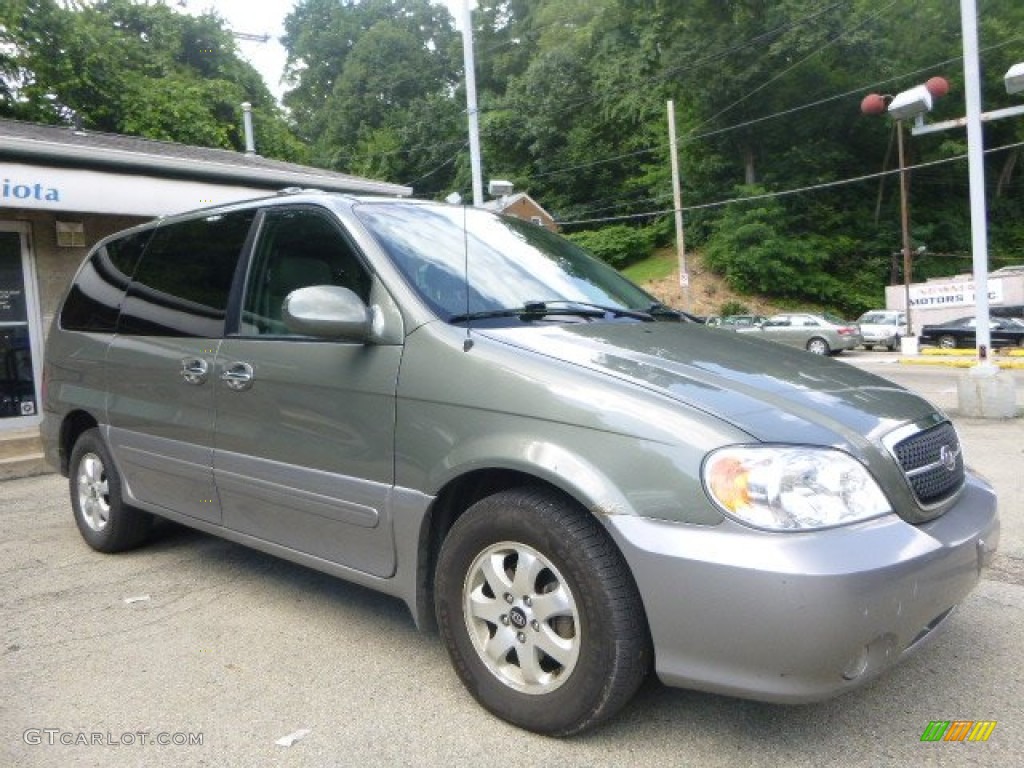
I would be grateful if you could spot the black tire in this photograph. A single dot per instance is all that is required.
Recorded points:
(557, 554)
(105, 522)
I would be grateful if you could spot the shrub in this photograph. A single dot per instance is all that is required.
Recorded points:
(733, 308)
(619, 245)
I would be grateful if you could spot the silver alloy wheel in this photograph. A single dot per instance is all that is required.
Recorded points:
(93, 492)
(947, 342)
(522, 618)
(818, 347)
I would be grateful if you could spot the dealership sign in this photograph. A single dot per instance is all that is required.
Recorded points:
(124, 193)
(958, 294)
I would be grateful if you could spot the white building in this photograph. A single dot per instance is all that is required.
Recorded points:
(947, 298)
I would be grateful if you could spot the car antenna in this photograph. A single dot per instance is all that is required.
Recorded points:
(468, 343)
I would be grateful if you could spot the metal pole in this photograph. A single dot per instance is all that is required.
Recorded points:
(250, 146)
(677, 201)
(976, 164)
(471, 108)
(905, 225)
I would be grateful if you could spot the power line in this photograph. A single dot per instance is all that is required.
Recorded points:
(447, 162)
(707, 134)
(782, 113)
(663, 75)
(806, 58)
(785, 192)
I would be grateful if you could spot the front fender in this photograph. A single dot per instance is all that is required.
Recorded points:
(608, 473)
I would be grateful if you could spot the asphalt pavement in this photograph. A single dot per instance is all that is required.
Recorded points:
(197, 652)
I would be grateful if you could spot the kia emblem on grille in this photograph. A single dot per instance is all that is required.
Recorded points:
(948, 457)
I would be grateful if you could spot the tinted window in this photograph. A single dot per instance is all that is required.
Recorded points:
(96, 296)
(181, 288)
(297, 247)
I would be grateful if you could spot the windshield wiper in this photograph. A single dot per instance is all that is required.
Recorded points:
(531, 310)
(636, 314)
(537, 310)
(662, 310)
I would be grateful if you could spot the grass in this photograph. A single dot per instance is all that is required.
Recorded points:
(652, 268)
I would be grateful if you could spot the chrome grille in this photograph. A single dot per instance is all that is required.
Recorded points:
(933, 462)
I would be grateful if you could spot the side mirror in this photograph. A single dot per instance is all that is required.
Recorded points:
(327, 311)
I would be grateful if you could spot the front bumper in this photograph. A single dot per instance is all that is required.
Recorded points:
(880, 338)
(793, 617)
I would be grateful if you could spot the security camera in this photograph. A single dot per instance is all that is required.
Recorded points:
(1014, 78)
(910, 103)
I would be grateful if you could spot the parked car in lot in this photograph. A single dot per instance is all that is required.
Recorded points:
(963, 332)
(573, 482)
(732, 322)
(882, 328)
(820, 334)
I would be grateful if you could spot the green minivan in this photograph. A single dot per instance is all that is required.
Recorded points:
(573, 483)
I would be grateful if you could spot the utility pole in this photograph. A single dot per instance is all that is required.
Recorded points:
(976, 174)
(471, 108)
(905, 227)
(677, 202)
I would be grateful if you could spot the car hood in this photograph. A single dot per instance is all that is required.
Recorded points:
(772, 392)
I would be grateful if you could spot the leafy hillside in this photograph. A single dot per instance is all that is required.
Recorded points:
(709, 294)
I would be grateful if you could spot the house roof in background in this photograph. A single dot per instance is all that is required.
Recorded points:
(500, 204)
(64, 146)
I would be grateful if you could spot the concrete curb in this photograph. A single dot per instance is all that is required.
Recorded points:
(959, 362)
(965, 358)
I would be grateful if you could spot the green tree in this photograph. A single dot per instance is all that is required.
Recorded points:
(374, 87)
(135, 68)
(572, 105)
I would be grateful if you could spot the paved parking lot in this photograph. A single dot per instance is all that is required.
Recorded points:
(195, 639)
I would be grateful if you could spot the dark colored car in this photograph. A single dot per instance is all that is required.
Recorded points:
(1005, 332)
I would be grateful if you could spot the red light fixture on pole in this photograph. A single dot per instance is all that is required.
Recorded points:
(905, 105)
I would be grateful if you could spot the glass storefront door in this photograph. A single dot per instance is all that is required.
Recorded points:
(20, 336)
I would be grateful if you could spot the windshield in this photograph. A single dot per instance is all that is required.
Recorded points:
(505, 263)
(877, 318)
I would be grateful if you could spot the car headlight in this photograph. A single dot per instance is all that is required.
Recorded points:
(792, 487)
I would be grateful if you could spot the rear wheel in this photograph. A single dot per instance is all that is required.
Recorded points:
(818, 346)
(540, 615)
(106, 524)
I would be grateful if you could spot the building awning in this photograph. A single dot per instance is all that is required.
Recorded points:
(49, 167)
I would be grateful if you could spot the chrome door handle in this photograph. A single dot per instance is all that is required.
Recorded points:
(237, 376)
(194, 370)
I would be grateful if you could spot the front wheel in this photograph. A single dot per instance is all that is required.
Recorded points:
(540, 615)
(106, 524)
(947, 342)
(818, 346)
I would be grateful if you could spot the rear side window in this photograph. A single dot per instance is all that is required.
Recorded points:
(96, 296)
(182, 286)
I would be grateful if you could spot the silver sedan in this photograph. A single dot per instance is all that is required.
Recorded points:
(820, 334)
